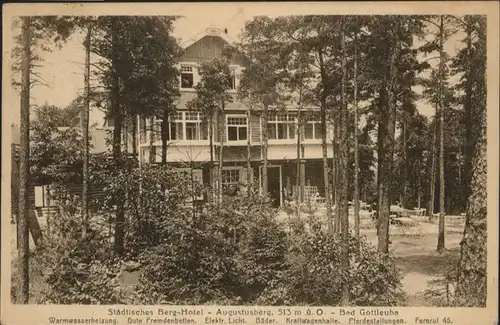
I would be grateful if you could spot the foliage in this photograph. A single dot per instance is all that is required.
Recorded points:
(55, 145)
(314, 277)
(241, 255)
(268, 55)
(226, 256)
(143, 55)
(213, 88)
(238, 254)
(78, 270)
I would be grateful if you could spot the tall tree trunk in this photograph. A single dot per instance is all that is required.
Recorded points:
(125, 129)
(221, 149)
(440, 244)
(381, 130)
(468, 114)
(164, 137)
(134, 137)
(324, 145)
(388, 125)
(326, 176)
(356, 144)
(117, 136)
(24, 168)
(336, 173)
(298, 190)
(249, 152)
(85, 134)
(211, 144)
(405, 165)
(298, 186)
(344, 208)
(265, 117)
(152, 149)
(419, 193)
(472, 267)
(332, 174)
(433, 166)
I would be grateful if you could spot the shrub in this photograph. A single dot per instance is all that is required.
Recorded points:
(374, 278)
(228, 253)
(191, 267)
(75, 269)
(316, 277)
(80, 271)
(262, 248)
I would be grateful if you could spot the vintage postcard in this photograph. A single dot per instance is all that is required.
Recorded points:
(250, 163)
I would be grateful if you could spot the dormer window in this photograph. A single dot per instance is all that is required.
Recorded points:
(187, 77)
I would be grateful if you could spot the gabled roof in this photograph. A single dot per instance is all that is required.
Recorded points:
(210, 31)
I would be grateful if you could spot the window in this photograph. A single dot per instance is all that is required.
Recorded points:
(187, 77)
(313, 128)
(230, 177)
(194, 128)
(236, 128)
(281, 126)
(187, 126)
(175, 127)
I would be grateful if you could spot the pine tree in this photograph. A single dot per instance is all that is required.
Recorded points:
(440, 244)
(472, 267)
(85, 135)
(24, 169)
(356, 136)
(36, 33)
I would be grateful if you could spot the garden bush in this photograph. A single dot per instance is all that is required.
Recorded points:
(78, 270)
(315, 276)
(227, 253)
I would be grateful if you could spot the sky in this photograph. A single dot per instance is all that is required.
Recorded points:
(62, 69)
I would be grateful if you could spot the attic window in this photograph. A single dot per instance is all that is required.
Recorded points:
(187, 77)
